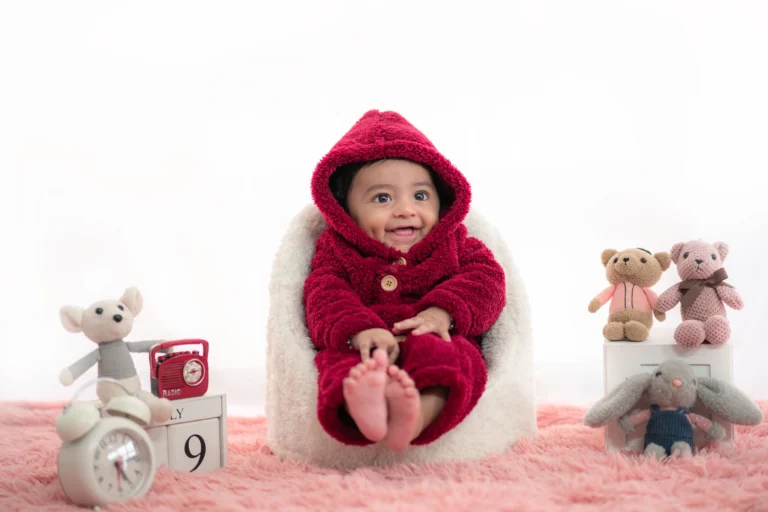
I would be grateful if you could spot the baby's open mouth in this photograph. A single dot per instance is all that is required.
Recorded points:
(403, 234)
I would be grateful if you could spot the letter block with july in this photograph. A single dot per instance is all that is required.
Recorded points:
(195, 437)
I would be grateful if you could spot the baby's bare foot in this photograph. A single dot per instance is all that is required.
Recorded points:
(364, 395)
(404, 405)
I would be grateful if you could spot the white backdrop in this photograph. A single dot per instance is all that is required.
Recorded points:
(167, 146)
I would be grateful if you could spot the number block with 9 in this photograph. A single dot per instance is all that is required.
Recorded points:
(194, 439)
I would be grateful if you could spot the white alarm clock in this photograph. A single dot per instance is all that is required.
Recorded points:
(108, 459)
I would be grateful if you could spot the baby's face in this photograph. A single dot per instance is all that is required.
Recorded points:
(395, 202)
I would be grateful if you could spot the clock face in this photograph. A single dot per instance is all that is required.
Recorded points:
(193, 372)
(121, 463)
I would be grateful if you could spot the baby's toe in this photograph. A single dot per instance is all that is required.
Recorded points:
(392, 370)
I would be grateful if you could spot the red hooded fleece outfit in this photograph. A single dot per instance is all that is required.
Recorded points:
(350, 287)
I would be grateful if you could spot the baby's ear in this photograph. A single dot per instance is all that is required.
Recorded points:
(72, 318)
(606, 256)
(133, 300)
(664, 260)
(722, 248)
(674, 253)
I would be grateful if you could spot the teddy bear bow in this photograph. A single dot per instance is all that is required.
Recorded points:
(691, 288)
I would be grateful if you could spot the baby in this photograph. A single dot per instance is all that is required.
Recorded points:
(398, 295)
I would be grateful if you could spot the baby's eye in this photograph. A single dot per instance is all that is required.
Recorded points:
(421, 196)
(381, 198)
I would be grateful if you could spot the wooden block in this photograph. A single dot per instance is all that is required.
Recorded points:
(159, 437)
(622, 359)
(194, 446)
(195, 435)
(194, 409)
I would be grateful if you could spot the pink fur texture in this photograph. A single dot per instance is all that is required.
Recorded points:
(566, 468)
(705, 318)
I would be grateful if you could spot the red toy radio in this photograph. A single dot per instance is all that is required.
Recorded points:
(179, 374)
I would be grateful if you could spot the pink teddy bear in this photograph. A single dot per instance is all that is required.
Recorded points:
(701, 293)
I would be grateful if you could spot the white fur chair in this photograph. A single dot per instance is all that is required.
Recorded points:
(505, 413)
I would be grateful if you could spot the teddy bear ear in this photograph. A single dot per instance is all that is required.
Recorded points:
(72, 318)
(674, 253)
(663, 259)
(606, 256)
(722, 248)
(133, 300)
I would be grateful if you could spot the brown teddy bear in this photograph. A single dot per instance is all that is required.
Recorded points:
(631, 273)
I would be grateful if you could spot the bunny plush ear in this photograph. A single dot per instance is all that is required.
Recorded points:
(133, 300)
(72, 318)
(619, 401)
(728, 402)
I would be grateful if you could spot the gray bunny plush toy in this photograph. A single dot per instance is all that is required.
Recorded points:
(673, 389)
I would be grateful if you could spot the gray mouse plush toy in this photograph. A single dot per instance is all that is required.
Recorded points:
(106, 323)
(673, 389)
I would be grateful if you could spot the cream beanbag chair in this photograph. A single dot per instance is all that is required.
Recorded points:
(505, 413)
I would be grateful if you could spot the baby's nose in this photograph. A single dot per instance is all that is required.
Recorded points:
(677, 383)
(117, 318)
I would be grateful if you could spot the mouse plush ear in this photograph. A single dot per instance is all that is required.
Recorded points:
(133, 300)
(72, 318)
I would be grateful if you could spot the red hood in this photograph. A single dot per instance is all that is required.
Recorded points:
(387, 135)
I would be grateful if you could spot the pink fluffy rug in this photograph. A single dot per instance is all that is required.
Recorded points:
(564, 469)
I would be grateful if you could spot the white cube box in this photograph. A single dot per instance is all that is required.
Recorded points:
(195, 437)
(623, 359)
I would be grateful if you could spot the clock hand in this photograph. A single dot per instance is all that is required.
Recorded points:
(117, 465)
(125, 476)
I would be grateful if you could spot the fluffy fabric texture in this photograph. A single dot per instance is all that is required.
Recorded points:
(705, 318)
(504, 413)
(388, 135)
(346, 291)
(566, 468)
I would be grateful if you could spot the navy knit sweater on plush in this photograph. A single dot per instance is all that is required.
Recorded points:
(668, 427)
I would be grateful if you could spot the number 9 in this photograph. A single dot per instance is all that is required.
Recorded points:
(200, 456)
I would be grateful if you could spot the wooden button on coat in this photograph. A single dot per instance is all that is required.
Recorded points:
(388, 283)
(400, 261)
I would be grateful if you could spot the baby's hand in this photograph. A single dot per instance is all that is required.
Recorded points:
(430, 320)
(368, 339)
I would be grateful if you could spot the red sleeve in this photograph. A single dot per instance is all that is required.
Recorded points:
(334, 312)
(475, 295)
